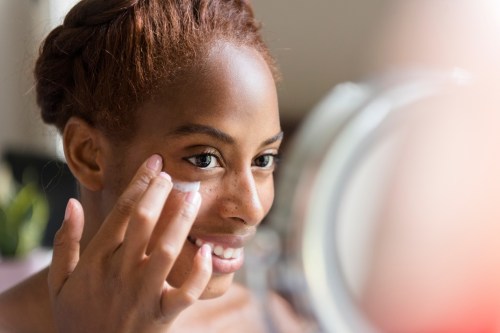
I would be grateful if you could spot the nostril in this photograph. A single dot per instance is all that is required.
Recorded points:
(239, 219)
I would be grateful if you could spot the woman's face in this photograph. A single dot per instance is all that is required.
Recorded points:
(219, 127)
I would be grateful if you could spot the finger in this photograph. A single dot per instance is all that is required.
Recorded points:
(113, 229)
(173, 301)
(172, 238)
(66, 251)
(145, 216)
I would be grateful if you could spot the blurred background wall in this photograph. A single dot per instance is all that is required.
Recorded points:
(318, 43)
(23, 24)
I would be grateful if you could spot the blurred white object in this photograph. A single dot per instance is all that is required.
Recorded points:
(386, 214)
(333, 189)
(387, 206)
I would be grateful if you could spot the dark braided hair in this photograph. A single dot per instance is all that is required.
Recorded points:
(110, 56)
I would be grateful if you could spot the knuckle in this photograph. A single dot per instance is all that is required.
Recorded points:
(125, 205)
(187, 298)
(168, 252)
(63, 244)
(59, 238)
(143, 179)
(161, 183)
(186, 212)
(128, 200)
(62, 238)
(144, 214)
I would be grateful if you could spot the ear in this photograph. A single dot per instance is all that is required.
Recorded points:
(83, 149)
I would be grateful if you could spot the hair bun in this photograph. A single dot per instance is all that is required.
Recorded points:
(110, 56)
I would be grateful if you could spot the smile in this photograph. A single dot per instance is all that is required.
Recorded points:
(219, 250)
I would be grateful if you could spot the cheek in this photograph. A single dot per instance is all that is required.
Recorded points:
(266, 194)
(210, 195)
(214, 197)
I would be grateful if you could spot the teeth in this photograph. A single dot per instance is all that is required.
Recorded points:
(218, 250)
(237, 253)
(228, 253)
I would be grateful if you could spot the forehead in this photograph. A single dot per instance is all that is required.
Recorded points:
(232, 89)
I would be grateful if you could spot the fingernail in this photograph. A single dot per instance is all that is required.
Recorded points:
(165, 175)
(69, 210)
(193, 197)
(206, 251)
(154, 162)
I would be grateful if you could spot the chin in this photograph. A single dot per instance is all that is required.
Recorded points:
(218, 285)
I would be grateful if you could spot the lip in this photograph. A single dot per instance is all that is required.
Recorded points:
(226, 240)
(220, 265)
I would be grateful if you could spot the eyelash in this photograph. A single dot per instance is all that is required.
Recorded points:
(193, 160)
(275, 160)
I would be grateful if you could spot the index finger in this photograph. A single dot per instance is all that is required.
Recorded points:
(112, 231)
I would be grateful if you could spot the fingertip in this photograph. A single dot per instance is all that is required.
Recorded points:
(206, 252)
(69, 209)
(76, 207)
(205, 261)
(73, 218)
(166, 176)
(66, 246)
(155, 162)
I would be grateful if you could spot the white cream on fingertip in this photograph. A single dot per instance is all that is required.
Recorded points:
(186, 186)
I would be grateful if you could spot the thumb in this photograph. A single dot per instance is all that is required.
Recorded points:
(66, 253)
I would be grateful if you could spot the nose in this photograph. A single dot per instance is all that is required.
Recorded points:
(241, 200)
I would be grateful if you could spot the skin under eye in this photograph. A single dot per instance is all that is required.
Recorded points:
(266, 161)
(204, 161)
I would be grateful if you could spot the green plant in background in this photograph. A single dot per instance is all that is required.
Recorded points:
(24, 215)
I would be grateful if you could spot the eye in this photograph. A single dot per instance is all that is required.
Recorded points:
(266, 161)
(204, 161)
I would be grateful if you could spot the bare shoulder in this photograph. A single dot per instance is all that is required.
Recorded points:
(6, 324)
(26, 307)
(10, 310)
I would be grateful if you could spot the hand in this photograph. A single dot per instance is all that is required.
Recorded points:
(116, 286)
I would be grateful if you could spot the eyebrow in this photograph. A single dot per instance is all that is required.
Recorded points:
(216, 133)
(202, 129)
(277, 137)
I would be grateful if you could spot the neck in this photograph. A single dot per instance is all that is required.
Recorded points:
(92, 203)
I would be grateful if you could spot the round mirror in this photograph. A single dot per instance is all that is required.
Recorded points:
(343, 241)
